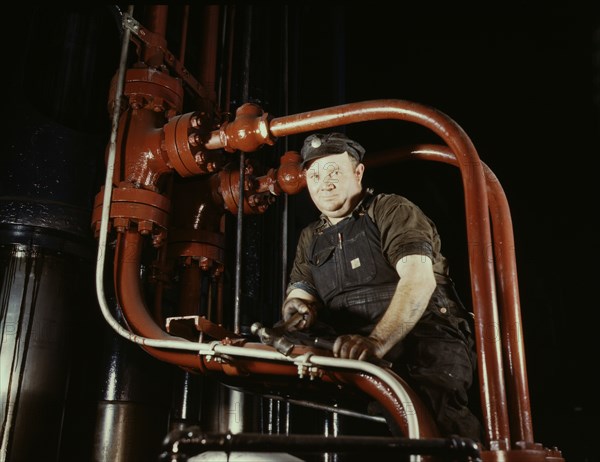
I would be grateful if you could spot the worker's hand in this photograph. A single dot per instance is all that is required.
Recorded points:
(298, 314)
(356, 347)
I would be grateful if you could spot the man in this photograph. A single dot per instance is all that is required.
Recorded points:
(369, 274)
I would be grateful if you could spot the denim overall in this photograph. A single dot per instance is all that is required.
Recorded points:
(356, 283)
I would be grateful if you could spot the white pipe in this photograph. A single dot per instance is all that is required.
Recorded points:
(110, 168)
(385, 376)
(215, 348)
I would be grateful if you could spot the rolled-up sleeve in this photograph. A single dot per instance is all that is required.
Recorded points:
(405, 229)
(301, 275)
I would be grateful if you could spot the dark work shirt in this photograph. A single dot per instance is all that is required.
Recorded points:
(404, 228)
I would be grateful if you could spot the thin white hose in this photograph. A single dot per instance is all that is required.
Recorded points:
(215, 348)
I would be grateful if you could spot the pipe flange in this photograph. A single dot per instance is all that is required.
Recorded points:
(183, 143)
(147, 210)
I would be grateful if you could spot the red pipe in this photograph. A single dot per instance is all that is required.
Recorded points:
(139, 320)
(374, 387)
(483, 285)
(157, 19)
(506, 272)
(377, 390)
(229, 71)
(184, 30)
(476, 205)
(190, 291)
(208, 59)
(512, 333)
(218, 317)
(129, 295)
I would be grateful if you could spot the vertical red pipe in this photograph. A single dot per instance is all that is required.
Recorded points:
(190, 291)
(506, 273)
(219, 317)
(210, 41)
(512, 327)
(230, 24)
(157, 19)
(184, 29)
(128, 287)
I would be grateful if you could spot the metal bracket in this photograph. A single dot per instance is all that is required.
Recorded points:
(151, 39)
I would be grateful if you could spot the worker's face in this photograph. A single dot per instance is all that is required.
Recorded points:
(334, 184)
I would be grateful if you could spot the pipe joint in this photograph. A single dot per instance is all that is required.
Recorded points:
(253, 199)
(290, 175)
(183, 143)
(142, 208)
(248, 131)
(149, 88)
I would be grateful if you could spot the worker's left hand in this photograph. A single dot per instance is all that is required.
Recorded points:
(356, 347)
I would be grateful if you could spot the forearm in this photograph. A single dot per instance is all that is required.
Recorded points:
(408, 304)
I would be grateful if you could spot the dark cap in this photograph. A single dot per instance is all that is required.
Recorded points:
(320, 145)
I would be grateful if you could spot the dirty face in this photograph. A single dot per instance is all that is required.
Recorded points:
(334, 184)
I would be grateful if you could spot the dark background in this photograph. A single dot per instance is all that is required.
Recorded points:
(524, 85)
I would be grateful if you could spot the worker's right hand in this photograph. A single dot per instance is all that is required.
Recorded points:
(298, 314)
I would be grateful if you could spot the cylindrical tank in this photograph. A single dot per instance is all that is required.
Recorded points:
(133, 404)
(42, 297)
(51, 154)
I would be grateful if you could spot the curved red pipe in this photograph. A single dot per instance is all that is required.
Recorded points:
(376, 389)
(140, 321)
(129, 295)
(478, 230)
(483, 285)
(506, 273)
(373, 387)
(512, 332)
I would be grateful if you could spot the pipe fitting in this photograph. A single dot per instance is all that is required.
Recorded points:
(148, 210)
(248, 131)
(290, 175)
(183, 143)
(253, 200)
(151, 89)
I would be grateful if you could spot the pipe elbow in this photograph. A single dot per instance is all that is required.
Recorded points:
(290, 175)
(248, 131)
